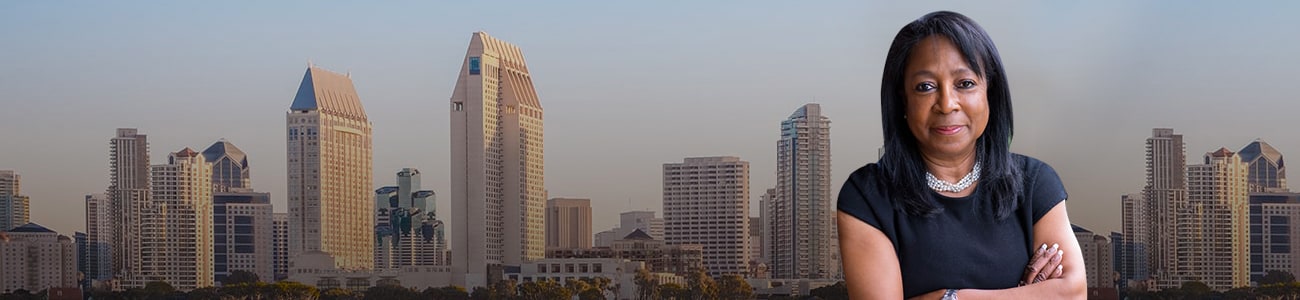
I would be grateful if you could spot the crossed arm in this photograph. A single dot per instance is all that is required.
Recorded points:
(871, 268)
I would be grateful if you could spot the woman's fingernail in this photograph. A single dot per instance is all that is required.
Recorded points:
(1055, 246)
(1044, 247)
(1059, 267)
(1060, 252)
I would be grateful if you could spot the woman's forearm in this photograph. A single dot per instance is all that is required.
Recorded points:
(1060, 288)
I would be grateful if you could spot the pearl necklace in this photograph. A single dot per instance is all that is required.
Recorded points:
(943, 186)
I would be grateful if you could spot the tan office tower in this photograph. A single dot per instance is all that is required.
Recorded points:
(497, 189)
(330, 172)
(280, 246)
(176, 229)
(1165, 190)
(1213, 236)
(706, 202)
(14, 207)
(129, 194)
(568, 223)
(804, 242)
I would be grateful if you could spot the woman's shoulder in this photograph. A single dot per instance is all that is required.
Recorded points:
(1032, 167)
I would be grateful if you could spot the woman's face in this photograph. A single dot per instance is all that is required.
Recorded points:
(947, 102)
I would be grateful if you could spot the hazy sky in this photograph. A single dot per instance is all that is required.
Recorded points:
(627, 86)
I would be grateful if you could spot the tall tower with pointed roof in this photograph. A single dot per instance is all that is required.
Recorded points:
(230, 170)
(497, 190)
(1267, 169)
(330, 171)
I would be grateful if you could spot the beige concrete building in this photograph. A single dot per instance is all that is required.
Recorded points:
(330, 171)
(129, 196)
(176, 243)
(243, 232)
(568, 223)
(35, 258)
(1165, 191)
(803, 241)
(706, 202)
(1097, 257)
(1213, 237)
(14, 207)
(498, 190)
(630, 221)
(319, 269)
(640, 246)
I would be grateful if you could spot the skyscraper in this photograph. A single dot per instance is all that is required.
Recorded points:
(804, 242)
(242, 233)
(765, 216)
(1165, 190)
(706, 202)
(129, 197)
(14, 210)
(1267, 169)
(1096, 257)
(99, 238)
(1274, 234)
(280, 246)
(176, 227)
(497, 178)
(568, 223)
(407, 229)
(1212, 232)
(330, 181)
(230, 170)
(1134, 260)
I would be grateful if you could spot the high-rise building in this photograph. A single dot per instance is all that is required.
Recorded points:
(497, 178)
(804, 241)
(176, 227)
(706, 202)
(765, 202)
(640, 219)
(1096, 257)
(1212, 233)
(83, 251)
(14, 207)
(329, 173)
(568, 223)
(280, 246)
(1274, 234)
(756, 241)
(407, 229)
(35, 258)
(1267, 170)
(1165, 190)
(606, 238)
(230, 170)
(129, 199)
(1117, 246)
(99, 238)
(242, 234)
(1135, 262)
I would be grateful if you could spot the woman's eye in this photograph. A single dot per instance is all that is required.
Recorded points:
(925, 87)
(966, 84)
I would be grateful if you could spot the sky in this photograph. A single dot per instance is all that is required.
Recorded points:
(627, 86)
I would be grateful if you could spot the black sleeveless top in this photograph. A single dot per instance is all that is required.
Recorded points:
(963, 246)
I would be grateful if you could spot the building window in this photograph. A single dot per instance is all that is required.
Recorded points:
(457, 106)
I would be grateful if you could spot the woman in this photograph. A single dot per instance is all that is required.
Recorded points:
(949, 211)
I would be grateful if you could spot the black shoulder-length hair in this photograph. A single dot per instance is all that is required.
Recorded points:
(902, 165)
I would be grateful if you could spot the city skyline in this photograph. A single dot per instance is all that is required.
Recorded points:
(1056, 64)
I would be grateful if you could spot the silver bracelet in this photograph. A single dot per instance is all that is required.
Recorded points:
(951, 294)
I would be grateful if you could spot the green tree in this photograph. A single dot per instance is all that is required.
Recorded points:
(1195, 289)
(647, 288)
(576, 286)
(207, 293)
(451, 292)
(701, 286)
(480, 293)
(386, 292)
(286, 290)
(239, 276)
(837, 291)
(674, 291)
(157, 290)
(1276, 276)
(543, 289)
(734, 287)
(338, 294)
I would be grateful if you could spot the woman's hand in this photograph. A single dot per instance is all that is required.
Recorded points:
(1046, 264)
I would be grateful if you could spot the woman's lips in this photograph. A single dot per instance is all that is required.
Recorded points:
(948, 130)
